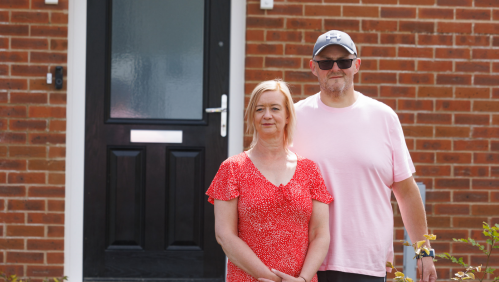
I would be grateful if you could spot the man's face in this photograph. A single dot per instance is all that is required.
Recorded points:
(335, 81)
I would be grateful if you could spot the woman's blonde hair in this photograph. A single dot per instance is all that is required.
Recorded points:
(271, 85)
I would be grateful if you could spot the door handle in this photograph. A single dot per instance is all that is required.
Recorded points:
(223, 118)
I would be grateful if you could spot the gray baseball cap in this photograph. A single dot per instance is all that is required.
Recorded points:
(334, 37)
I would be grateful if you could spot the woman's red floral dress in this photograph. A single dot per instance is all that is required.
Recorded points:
(273, 220)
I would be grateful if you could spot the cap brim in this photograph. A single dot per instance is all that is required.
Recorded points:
(342, 45)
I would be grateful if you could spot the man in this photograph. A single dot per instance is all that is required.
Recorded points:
(360, 148)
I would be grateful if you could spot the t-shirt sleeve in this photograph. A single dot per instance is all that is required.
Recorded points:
(403, 167)
(225, 184)
(318, 190)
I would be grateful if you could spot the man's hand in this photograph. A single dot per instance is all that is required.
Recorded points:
(429, 273)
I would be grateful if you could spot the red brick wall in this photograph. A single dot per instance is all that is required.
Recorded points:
(436, 63)
(33, 41)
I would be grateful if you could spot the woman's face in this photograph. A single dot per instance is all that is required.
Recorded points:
(271, 115)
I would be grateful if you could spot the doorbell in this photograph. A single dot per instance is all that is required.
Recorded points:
(58, 77)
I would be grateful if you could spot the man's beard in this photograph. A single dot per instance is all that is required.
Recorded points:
(336, 91)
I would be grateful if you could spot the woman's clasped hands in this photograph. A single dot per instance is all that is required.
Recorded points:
(284, 277)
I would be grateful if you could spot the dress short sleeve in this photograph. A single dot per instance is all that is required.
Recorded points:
(225, 184)
(318, 190)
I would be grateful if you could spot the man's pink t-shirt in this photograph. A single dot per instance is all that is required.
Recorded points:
(360, 151)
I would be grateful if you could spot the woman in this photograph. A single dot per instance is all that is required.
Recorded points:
(271, 212)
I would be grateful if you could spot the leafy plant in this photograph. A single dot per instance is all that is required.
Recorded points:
(493, 234)
(14, 278)
(419, 248)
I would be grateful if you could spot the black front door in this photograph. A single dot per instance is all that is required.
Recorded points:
(151, 148)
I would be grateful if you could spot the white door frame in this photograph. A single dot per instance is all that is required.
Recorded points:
(75, 130)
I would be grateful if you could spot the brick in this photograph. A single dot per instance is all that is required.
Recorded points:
(412, 78)
(39, 111)
(378, 77)
(341, 24)
(46, 57)
(415, 52)
(48, 138)
(27, 70)
(472, 92)
(395, 64)
(14, 30)
(453, 79)
(495, 119)
(300, 76)
(11, 244)
(4, 149)
(46, 192)
(282, 62)
(26, 177)
(291, 36)
(485, 132)
(28, 124)
(45, 271)
(57, 152)
(422, 157)
(49, 218)
(40, 5)
(375, 51)
(397, 12)
(484, 209)
(29, 43)
(453, 157)
(453, 105)
(12, 111)
(426, 39)
(6, 164)
(494, 146)
(359, 38)
(58, 98)
(388, 38)
(56, 205)
(429, 91)
(485, 54)
(486, 158)
(12, 191)
(433, 144)
(29, 17)
(55, 231)
(368, 64)
(437, 196)
(453, 27)
(452, 53)
(262, 49)
(397, 91)
(466, 222)
(462, 196)
(28, 98)
(392, 103)
(471, 40)
(473, 14)
(49, 31)
(417, 131)
(299, 23)
(486, 106)
(15, 57)
(28, 152)
(12, 138)
(439, 66)
(371, 91)
(26, 205)
(59, 18)
(487, 184)
(472, 66)
(467, 3)
(11, 218)
(25, 231)
(452, 183)
(452, 131)
(494, 196)
(486, 28)
(46, 165)
(432, 170)
(492, 80)
(417, 26)
(57, 178)
(254, 62)
(471, 145)
(379, 1)
(361, 11)
(55, 258)
(322, 10)
(375, 25)
(298, 49)
(406, 117)
(452, 209)
(415, 105)
(4, 70)
(431, 13)
(57, 125)
(338, 1)
(59, 44)
(24, 257)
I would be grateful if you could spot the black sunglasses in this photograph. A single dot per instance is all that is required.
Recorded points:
(328, 64)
